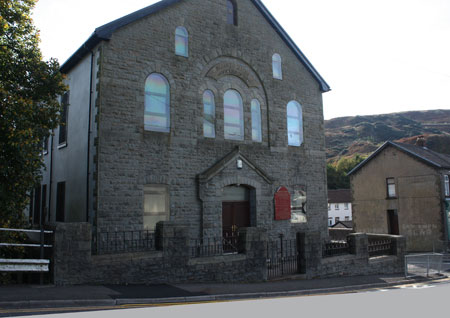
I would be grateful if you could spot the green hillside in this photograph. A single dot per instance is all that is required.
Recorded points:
(347, 136)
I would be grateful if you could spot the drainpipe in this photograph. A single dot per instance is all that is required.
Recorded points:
(91, 91)
(51, 178)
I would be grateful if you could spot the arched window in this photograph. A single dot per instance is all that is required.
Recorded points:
(209, 115)
(256, 121)
(233, 115)
(181, 42)
(157, 103)
(276, 66)
(231, 12)
(294, 124)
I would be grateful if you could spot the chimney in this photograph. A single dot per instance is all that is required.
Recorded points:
(420, 142)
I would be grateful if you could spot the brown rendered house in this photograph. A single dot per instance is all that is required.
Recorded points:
(403, 189)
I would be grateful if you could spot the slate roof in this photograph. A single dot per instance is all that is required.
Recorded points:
(339, 196)
(105, 32)
(343, 224)
(425, 155)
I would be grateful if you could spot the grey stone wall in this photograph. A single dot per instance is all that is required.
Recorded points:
(221, 57)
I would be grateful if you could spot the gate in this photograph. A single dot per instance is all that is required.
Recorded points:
(423, 264)
(283, 258)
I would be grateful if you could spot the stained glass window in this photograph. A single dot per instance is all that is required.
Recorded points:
(233, 115)
(256, 121)
(157, 103)
(209, 115)
(181, 42)
(276, 66)
(294, 124)
(231, 12)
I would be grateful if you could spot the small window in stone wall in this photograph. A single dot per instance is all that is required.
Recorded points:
(233, 115)
(294, 124)
(209, 115)
(181, 42)
(157, 103)
(256, 121)
(231, 12)
(156, 205)
(447, 186)
(276, 66)
(298, 205)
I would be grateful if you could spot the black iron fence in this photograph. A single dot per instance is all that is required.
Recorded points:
(214, 246)
(283, 258)
(124, 242)
(380, 246)
(335, 248)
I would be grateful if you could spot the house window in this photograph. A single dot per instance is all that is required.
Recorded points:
(390, 183)
(336, 219)
(45, 145)
(329, 207)
(60, 201)
(63, 120)
(256, 121)
(209, 115)
(330, 221)
(294, 124)
(157, 103)
(233, 115)
(156, 205)
(447, 186)
(336, 206)
(347, 218)
(231, 12)
(346, 206)
(298, 206)
(276, 66)
(181, 41)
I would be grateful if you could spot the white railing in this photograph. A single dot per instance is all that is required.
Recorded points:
(423, 264)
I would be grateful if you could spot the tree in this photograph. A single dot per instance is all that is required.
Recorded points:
(29, 107)
(337, 172)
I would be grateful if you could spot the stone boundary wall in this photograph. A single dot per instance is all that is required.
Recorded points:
(74, 263)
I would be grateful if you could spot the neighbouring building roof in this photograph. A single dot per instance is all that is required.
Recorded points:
(427, 156)
(339, 196)
(105, 32)
(343, 224)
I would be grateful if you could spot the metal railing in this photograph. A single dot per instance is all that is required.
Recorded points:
(335, 248)
(125, 242)
(31, 264)
(283, 258)
(214, 246)
(380, 246)
(423, 264)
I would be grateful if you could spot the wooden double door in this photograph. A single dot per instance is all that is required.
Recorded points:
(235, 214)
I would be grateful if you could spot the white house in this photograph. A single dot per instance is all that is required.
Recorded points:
(339, 206)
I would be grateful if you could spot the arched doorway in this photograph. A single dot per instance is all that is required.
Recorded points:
(235, 211)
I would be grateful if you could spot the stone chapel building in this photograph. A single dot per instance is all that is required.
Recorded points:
(198, 112)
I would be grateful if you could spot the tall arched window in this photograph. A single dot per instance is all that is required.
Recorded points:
(209, 115)
(231, 12)
(256, 121)
(181, 41)
(276, 66)
(294, 124)
(157, 103)
(233, 115)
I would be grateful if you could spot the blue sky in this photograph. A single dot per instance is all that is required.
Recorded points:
(378, 56)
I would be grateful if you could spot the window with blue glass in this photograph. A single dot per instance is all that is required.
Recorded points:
(181, 41)
(233, 115)
(294, 124)
(231, 12)
(276, 66)
(209, 115)
(256, 121)
(157, 103)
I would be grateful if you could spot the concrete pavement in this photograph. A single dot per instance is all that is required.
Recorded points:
(26, 296)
